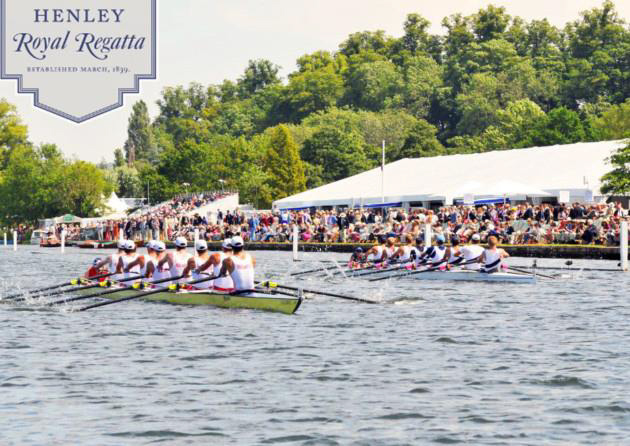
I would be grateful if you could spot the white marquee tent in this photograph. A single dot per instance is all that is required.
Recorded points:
(575, 169)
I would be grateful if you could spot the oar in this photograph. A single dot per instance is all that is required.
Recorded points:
(369, 273)
(105, 293)
(321, 293)
(87, 287)
(56, 287)
(428, 270)
(140, 295)
(319, 270)
(529, 273)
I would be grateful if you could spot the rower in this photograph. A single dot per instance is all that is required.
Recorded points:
(144, 260)
(358, 258)
(376, 254)
(126, 259)
(240, 266)
(152, 269)
(390, 248)
(453, 253)
(404, 253)
(177, 260)
(435, 254)
(202, 256)
(492, 257)
(471, 253)
(417, 253)
(111, 261)
(215, 261)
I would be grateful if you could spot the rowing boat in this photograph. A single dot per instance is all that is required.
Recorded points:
(254, 300)
(455, 275)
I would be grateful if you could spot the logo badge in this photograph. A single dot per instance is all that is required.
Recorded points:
(78, 58)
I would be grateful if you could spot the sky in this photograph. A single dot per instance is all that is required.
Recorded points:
(207, 41)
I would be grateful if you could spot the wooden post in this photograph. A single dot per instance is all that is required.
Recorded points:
(428, 235)
(63, 241)
(296, 235)
(623, 245)
(15, 240)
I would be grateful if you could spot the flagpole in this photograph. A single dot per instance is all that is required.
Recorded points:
(383, 175)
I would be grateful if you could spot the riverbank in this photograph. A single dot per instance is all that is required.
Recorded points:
(592, 252)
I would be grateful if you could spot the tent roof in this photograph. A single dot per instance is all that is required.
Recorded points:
(115, 205)
(539, 169)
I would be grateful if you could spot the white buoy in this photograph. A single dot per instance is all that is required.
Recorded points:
(428, 235)
(296, 235)
(623, 245)
(196, 235)
(63, 241)
(15, 240)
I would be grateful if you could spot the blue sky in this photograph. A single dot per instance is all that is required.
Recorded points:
(208, 41)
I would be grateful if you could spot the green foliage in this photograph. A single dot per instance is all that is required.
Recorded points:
(339, 154)
(40, 183)
(13, 133)
(283, 164)
(140, 144)
(617, 181)
(614, 123)
(421, 142)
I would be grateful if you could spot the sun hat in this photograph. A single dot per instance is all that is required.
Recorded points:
(201, 245)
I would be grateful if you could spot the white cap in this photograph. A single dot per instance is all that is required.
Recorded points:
(129, 245)
(237, 242)
(227, 243)
(181, 242)
(201, 245)
(151, 245)
(159, 246)
(121, 244)
(476, 237)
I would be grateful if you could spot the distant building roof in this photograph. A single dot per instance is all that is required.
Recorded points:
(576, 168)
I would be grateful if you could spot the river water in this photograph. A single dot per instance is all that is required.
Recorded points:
(435, 363)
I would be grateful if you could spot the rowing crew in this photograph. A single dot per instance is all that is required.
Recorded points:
(232, 267)
(471, 257)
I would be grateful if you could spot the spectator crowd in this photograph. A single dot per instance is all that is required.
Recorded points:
(512, 224)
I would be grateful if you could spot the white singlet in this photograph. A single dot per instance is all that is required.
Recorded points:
(243, 274)
(378, 256)
(113, 266)
(223, 283)
(493, 259)
(126, 260)
(147, 261)
(179, 263)
(389, 252)
(453, 255)
(438, 254)
(160, 275)
(406, 256)
(202, 275)
(470, 253)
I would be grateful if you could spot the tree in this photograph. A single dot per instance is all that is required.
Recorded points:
(421, 142)
(560, 126)
(614, 123)
(119, 158)
(374, 85)
(258, 75)
(312, 91)
(12, 132)
(140, 144)
(490, 23)
(617, 181)
(339, 154)
(283, 163)
(84, 188)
